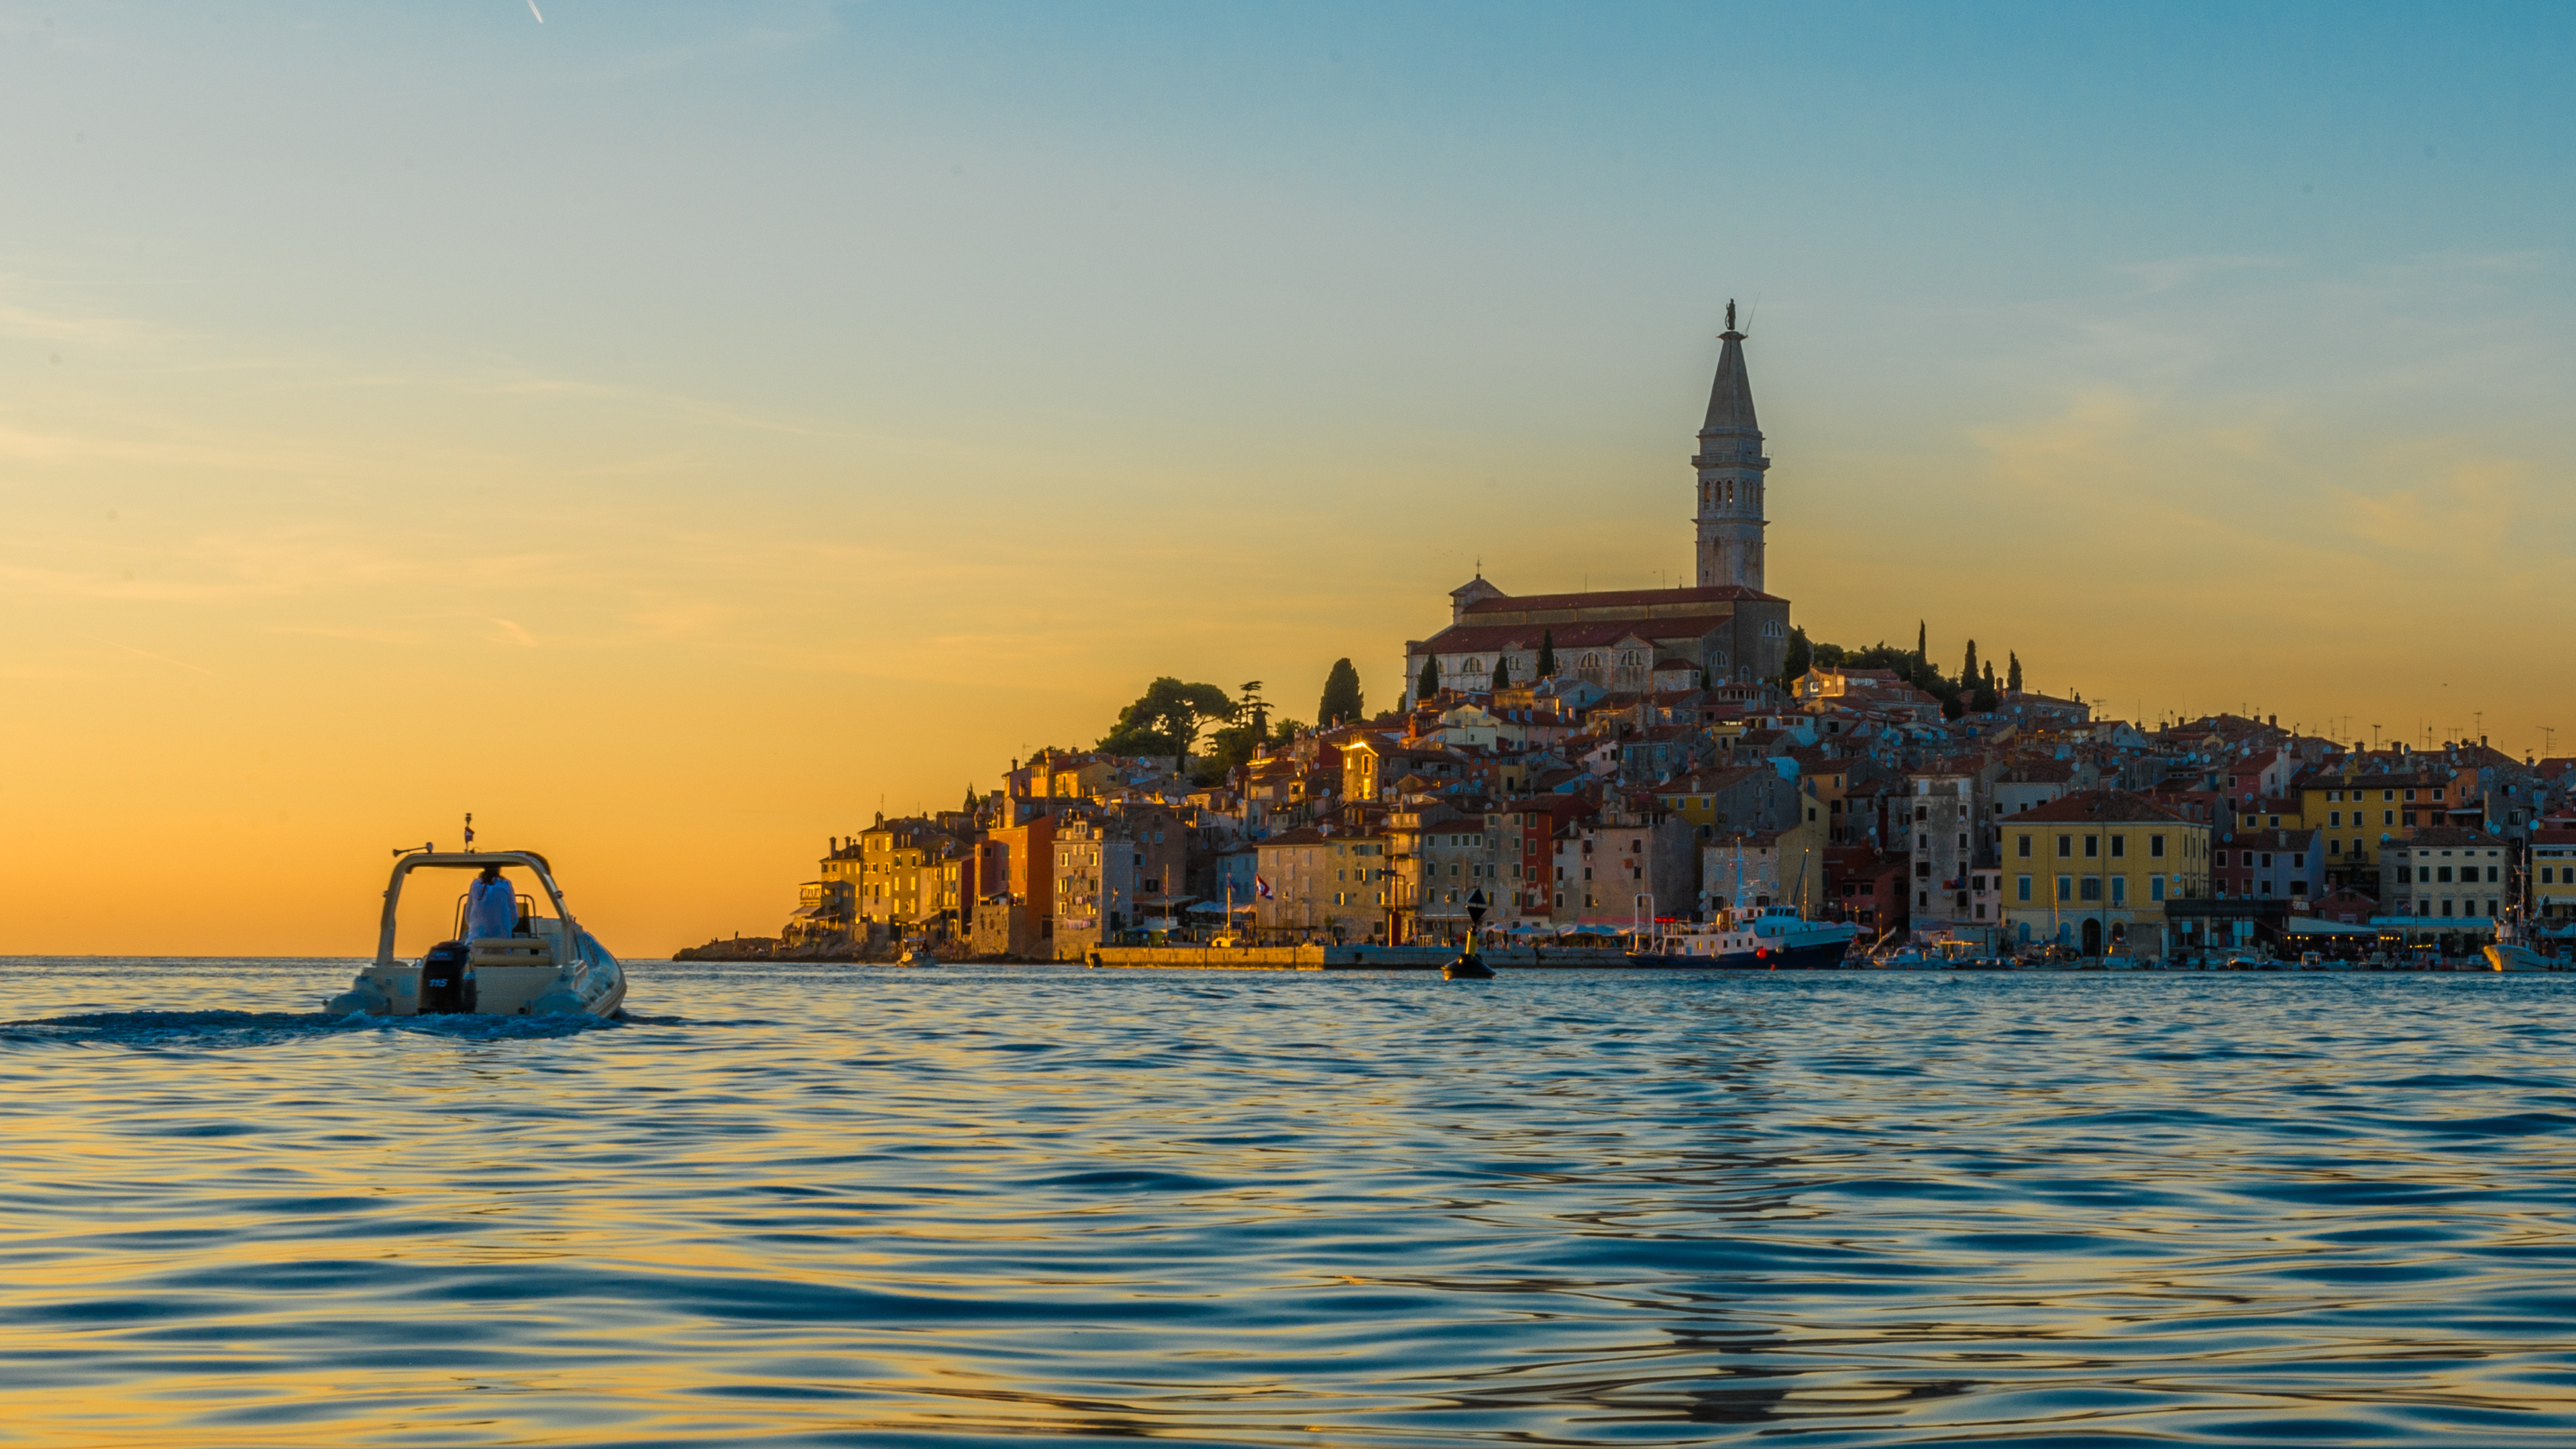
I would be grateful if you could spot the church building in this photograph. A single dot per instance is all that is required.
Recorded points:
(1634, 640)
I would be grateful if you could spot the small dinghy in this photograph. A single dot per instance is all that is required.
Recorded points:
(542, 967)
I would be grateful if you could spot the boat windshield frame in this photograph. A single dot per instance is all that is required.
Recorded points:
(469, 860)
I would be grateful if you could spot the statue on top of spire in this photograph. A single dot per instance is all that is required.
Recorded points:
(1730, 314)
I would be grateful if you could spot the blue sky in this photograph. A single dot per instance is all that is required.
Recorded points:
(886, 361)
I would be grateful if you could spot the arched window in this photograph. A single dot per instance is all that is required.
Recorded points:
(1473, 667)
(1591, 661)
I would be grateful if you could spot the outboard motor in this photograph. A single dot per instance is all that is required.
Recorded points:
(443, 980)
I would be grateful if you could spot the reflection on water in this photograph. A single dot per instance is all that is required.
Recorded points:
(836, 1205)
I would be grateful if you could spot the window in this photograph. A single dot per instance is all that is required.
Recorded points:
(2092, 887)
(2155, 887)
(2092, 846)
(2065, 846)
(2442, 874)
(2155, 847)
(2024, 852)
(2221, 859)
(2387, 794)
(2405, 875)
(2334, 819)
(2119, 890)
(2021, 888)
(2387, 817)
(2119, 846)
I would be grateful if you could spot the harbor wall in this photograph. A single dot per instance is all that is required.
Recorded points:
(1346, 958)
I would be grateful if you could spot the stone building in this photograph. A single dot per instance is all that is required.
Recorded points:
(1725, 626)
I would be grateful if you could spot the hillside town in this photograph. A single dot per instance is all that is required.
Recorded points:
(1590, 765)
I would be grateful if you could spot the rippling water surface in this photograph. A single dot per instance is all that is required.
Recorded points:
(862, 1206)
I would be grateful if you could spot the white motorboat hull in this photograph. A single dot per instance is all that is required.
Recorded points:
(2507, 956)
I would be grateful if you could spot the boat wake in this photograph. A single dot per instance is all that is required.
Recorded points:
(224, 1030)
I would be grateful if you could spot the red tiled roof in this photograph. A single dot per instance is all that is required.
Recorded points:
(2098, 807)
(1586, 634)
(1622, 599)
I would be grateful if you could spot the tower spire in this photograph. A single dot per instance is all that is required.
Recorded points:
(1731, 468)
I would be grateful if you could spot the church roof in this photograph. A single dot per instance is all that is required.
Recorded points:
(1472, 637)
(1620, 599)
(1730, 398)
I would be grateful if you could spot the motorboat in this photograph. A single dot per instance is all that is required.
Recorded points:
(545, 966)
(2511, 951)
(1764, 938)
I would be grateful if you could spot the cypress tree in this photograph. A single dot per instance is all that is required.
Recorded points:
(1502, 671)
(1428, 683)
(1798, 658)
(1547, 654)
(2012, 679)
(1921, 638)
(1968, 675)
(1342, 701)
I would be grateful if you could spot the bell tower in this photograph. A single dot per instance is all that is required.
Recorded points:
(1731, 466)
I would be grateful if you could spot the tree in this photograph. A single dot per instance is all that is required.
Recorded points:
(1801, 657)
(1986, 699)
(1502, 672)
(1547, 654)
(1920, 636)
(1427, 684)
(1237, 743)
(1166, 719)
(1968, 674)
(2012, 679)
(1342, 700)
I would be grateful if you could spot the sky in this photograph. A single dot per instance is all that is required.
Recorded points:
(676, 433)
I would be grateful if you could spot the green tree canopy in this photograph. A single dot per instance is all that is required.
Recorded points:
(1167, 718)
(1427, 683)
(1502, 672)
(1547, 654)
(1342, 701)
(2012, 677)
(1801, 656)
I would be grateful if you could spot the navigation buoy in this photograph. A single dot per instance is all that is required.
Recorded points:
(1467, 968)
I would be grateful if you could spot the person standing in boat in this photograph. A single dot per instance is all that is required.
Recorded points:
(491, 906)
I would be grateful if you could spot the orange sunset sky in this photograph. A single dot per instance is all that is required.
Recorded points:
(674, 434)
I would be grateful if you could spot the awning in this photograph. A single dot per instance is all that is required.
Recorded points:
(2318, 926)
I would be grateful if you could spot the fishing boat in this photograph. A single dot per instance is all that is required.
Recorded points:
(2513, 950)
(545, 966)
(1763, 938)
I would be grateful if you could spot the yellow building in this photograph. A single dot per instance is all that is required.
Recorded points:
(2358, 808)
(2553, 874)
(898, 872)
(2095, 870)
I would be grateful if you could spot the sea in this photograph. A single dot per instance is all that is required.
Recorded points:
(848, 1205)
